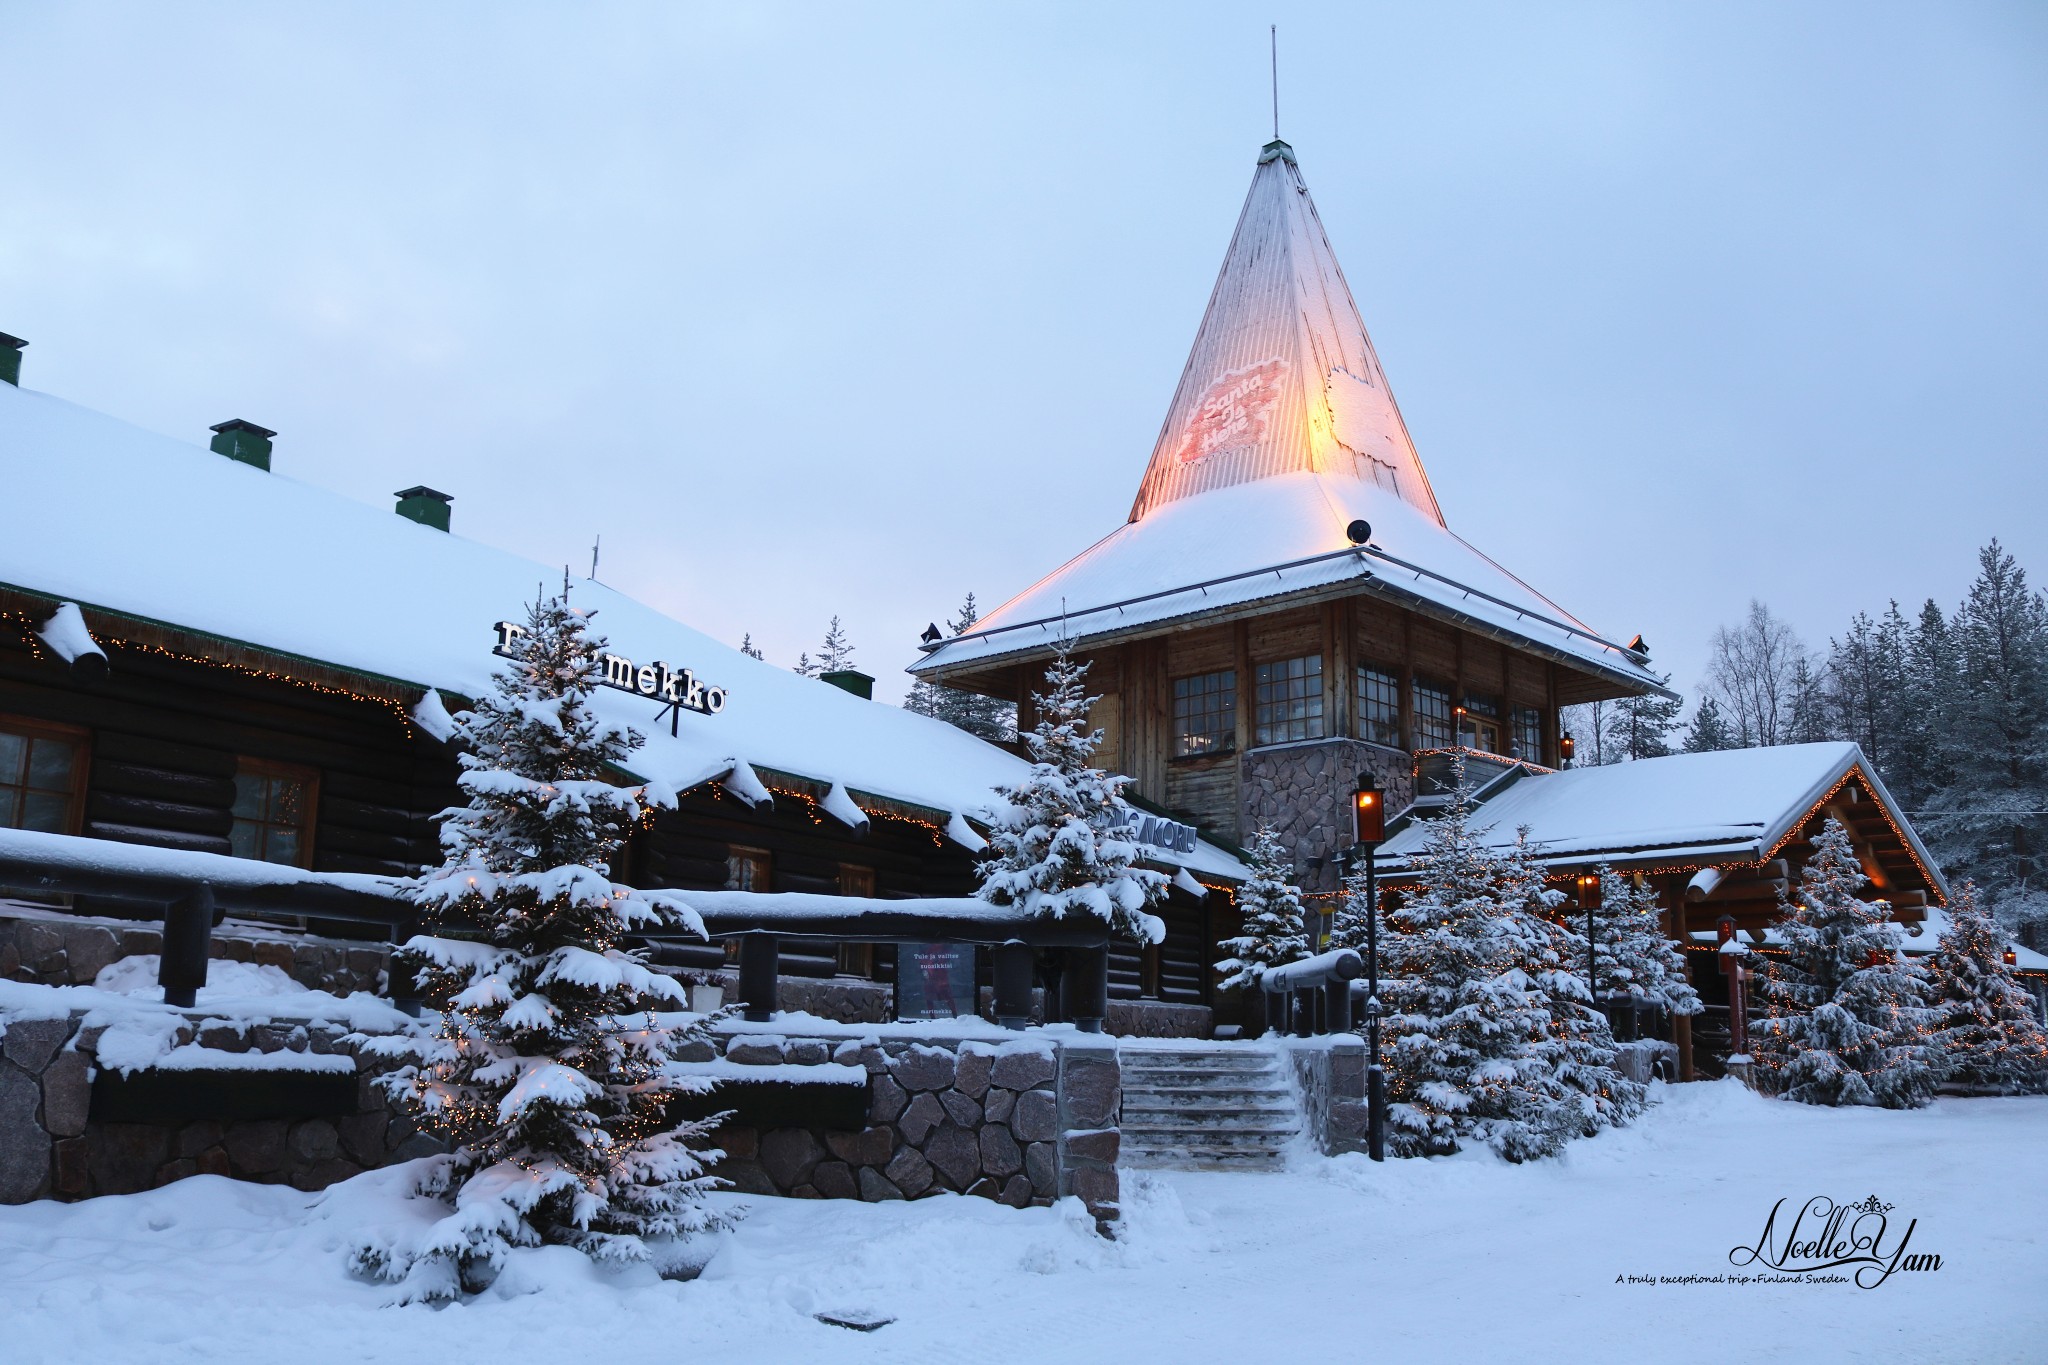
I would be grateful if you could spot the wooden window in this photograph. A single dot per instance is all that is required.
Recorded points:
(1205, 713)
(748, 869)
(42, 776)
(1529, 734)
(1432, 716)
(856, 959)
(1379, 706)
(274, 812)
(1290, 700)
(1479, 725)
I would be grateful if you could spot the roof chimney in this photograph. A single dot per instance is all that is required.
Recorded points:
(852, 680)
(425, 506)
(10, 358)
(243, 440)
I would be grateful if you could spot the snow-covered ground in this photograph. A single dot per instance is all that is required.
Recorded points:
(1463, 1259)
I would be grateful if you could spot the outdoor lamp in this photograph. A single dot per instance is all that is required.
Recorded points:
(1368, 811)
(1565, 745)
(1589, 890)
(2012, 958)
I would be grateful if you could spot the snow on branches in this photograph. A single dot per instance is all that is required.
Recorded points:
(1991, 1041)
(547, 1071)
(1492, 1038)
(1633, 962)
(1848, 1015)
(1270, 907)
(1057, 846)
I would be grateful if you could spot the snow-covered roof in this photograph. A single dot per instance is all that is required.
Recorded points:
(1921, 939)
(1733, 805)
(122, 520)
(1282, 432)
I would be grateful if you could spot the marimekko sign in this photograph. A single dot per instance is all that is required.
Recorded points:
(677, 686)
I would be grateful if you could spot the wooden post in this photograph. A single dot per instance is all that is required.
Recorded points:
(1086, 982)
(1013, 984)
(188, 940)
(759, 956)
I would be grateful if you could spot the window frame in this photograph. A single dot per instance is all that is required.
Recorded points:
(80, 740)
(1363, 704)
(1312, 720)
(735, 853)
(856, 959)
(270, 769)
(1425, 737)
(1226, 736)
(1534, 715)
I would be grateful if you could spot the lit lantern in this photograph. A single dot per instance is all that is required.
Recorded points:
(2012, 958)
(1368, 811)
(1565, 745)
(1589, 890)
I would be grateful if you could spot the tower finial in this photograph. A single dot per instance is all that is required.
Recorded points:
(1273, 35)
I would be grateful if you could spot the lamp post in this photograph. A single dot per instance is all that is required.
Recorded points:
(1589, 901)
(1369, 820)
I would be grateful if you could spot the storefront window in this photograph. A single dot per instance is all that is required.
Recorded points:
(1379, 706)
(1432, 716)
(747, 869)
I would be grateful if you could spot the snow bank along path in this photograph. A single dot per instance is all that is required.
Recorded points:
(1458, 1260)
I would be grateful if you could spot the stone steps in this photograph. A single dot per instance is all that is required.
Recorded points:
(1206, 1109)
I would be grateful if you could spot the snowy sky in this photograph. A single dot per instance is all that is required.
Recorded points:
(796, 307)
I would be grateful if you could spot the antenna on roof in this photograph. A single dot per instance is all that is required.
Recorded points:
(1273, 35)
(594, 543)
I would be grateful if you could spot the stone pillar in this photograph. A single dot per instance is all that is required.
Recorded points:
(1090, 1096)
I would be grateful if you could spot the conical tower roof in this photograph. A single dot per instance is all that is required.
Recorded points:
(1283, 471)
(1282, 378)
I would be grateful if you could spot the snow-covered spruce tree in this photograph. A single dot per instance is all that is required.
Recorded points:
(1573, 1048)
(1270, 905)
(547, 1072)
(1984, 1020)
(1461, 1009)
(1632, 958)
(836, 653)
(1848, 1017)
(1057, 846)
(1709, 730)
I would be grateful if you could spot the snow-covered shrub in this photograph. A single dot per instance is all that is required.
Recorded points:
(547, 1071)
(1270, 906)
(1057, 846)
(1984, 1020)
(1848, 1019)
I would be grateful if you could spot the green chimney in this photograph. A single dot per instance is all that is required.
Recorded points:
(854, 681)
(425, 506)
(10, 358)
(244, 441)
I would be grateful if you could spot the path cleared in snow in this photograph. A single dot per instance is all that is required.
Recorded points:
(1465, 1259)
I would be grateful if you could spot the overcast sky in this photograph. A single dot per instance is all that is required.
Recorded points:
(817, 309)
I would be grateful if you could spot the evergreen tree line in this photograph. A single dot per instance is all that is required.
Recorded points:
(1950, 707)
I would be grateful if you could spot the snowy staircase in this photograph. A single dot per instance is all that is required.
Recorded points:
(1208, 1109)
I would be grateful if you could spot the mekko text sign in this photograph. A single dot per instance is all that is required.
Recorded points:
(677, 686)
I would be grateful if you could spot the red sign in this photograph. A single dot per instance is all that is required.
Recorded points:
(1232, 412)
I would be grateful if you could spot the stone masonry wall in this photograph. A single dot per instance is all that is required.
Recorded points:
(51, 1146)
(1304, 792)
(1022, 1122)
(56, 949)
(1329, 1075)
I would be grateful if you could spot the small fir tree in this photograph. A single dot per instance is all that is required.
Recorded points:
(1633, 960)
(1640, 727)
(1058, 845)
(1848, 1017)
(749, 648)
(1461, 1010)
(547, 1073)
(1271, 909)
(1709, 730)
(1573, 1075)
(836, 654)
(1984, 1020)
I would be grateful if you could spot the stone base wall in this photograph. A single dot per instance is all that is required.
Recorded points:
(52, 1147)
(1329, 1073)
(1158, 1019)
(1021, 1122)
(1304, 792)
(56, 949)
